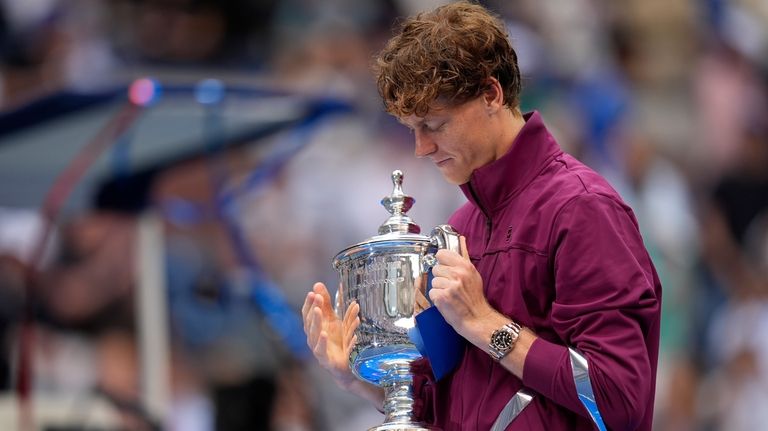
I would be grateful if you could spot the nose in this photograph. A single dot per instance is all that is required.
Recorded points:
(425, 145)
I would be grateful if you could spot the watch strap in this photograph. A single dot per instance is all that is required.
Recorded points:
(513, 329)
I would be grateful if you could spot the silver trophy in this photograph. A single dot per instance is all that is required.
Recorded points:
(387, 276)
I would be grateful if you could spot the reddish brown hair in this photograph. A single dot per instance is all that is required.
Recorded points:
(446, 55)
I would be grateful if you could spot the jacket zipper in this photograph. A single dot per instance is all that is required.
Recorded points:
(488, 227)
(488, 221)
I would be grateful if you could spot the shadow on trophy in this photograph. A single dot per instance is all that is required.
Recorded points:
(387, 276)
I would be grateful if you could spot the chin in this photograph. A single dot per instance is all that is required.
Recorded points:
(454, 176)
(455, 179)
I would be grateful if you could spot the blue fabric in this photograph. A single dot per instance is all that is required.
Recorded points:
(436, 339)
(441, 344)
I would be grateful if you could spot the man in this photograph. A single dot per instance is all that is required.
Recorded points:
(554, 291)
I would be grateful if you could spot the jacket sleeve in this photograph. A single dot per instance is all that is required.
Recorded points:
(606, 306)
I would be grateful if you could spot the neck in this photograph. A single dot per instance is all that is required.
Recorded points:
(513, 122)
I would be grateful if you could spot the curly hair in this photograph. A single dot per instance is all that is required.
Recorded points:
(446, 55)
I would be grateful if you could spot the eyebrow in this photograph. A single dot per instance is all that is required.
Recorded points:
(420, 122)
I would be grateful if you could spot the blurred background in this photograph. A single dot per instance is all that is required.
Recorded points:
(175, 174)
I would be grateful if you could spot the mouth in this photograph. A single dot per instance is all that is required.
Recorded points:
(442, 163)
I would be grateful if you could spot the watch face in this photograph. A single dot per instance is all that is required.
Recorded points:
(502, 340)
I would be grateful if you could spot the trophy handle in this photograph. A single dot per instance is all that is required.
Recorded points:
(442, 237)
(445, 236)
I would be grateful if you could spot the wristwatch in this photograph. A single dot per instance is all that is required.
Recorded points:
(503, 340)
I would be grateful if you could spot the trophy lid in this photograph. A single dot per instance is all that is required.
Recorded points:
(398, 204)
(398, 234)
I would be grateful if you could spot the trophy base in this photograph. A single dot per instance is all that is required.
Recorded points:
(403, 427)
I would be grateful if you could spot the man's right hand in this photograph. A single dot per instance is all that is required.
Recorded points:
(330, 338)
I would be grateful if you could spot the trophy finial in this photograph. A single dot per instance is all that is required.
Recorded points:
(397, 181)
(398, 204)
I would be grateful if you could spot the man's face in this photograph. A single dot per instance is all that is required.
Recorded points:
(458, 139)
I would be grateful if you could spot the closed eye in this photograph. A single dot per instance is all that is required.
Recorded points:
(433, 127)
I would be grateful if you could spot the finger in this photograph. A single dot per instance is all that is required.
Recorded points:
(351, 323)
(351, 314)
(311, 339)
(434, 295)
(464, 249)
(308, 300)
(319, 304)
(448, 257)
(421, 300)
(441, 270)
(440, 283)
(306, 308)
(315, 327)
(351, 344)
(322, 291)
(349, 336)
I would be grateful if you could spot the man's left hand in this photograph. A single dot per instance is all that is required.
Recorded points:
(457, 289)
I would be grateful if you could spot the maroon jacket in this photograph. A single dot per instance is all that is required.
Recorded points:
(560, 253)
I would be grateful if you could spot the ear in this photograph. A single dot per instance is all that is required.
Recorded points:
(493, 96)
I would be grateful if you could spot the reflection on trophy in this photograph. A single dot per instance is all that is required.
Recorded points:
(387, 276)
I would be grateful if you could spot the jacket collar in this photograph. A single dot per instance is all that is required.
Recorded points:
(490, 186)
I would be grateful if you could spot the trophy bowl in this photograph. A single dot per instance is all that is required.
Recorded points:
(387, 276)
